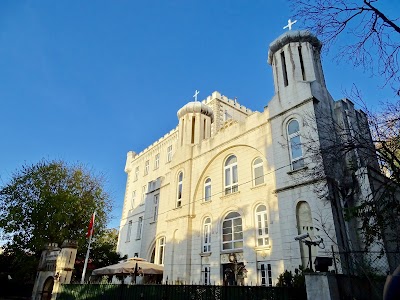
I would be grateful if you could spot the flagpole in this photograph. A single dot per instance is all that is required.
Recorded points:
(88, 250)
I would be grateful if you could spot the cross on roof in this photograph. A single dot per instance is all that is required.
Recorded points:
(289, 25)
(195, 95)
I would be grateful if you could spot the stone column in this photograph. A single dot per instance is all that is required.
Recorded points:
(322, 286)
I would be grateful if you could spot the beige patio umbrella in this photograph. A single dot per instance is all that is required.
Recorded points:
(128, 267)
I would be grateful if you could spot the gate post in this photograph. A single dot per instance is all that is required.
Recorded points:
(322, 286)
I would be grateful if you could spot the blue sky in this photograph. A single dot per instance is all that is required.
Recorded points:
(88, 81)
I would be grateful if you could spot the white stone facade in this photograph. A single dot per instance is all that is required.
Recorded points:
(228, 180)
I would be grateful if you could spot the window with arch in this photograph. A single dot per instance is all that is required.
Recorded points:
(179, 190)
(207, 235)
(262, 225)
(207, 189)
(231, 175)
(232, 232)
(258, 171)
(304, 225)
(160, 251)
(294, 142)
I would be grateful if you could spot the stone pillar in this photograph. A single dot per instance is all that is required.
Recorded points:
(322, 286)
(64, 266)
(55, 268)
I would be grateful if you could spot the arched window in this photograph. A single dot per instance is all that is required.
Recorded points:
(207, 189)
(305, 225)
(232, 232)
(262, 225)
(295, 151)
(153, 255)
(258, 171)
(179, 190)
(231, 175)
(207, 235)
(160, 252)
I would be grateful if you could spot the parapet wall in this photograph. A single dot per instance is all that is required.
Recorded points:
(233, 103)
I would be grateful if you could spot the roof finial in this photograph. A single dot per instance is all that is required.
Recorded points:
(195, 95)
(289, 25)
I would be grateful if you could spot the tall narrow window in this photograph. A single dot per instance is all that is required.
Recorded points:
(265, 274)
(258, 171)
(207, 235)
(144, 190)
(179, 190)
(146, 167)
(305, 225)
(183, 128)
(128, 232)
(207, 189)
(231, 175)
(204, 129)
(169, 153)
(136, 173)
(206, 275)
(157, 161)
(133, 199)
(193, 128)
(155, 213)
(160, 250)
(284, 70)
(303, 72)
(232, 232)
(139, 228)
(262, 226)
(295, 151)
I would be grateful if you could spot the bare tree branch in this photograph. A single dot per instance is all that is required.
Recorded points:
(372, 38)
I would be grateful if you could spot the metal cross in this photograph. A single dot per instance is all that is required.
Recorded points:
(289, 24)
(195, 95)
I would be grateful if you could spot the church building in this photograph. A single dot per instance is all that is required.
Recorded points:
(221, 198)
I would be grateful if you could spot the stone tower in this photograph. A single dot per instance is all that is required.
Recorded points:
(297, 70)
(195, 120)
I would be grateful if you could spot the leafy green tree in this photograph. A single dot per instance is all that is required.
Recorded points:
(288, 279)
(358, 172)
(104, 249)
(49, 202)
(102, 254)
(19, 265)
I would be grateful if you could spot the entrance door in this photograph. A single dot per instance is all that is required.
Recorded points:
(48, 288)
(233, 273)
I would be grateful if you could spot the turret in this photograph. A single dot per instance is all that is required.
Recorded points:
(297, 70)
(195, 120)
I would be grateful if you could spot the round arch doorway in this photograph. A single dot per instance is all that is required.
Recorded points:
(47, 288)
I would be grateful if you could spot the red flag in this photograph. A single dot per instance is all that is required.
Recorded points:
(91, 225)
